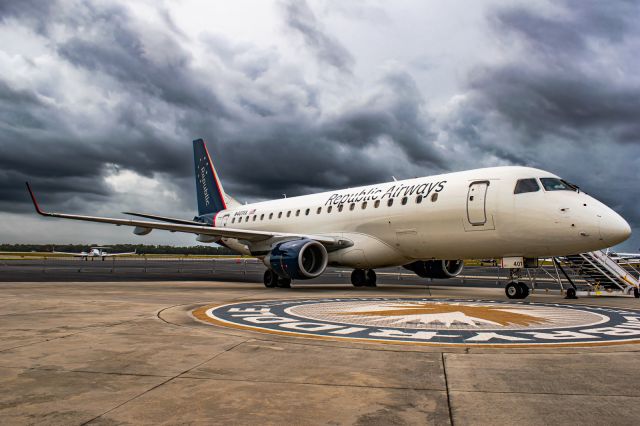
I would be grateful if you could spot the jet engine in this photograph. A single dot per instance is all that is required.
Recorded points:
(298, 259)
(436, 268)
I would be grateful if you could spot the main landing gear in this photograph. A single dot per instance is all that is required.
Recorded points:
(363, 278)
(272, 280)
(516, 289)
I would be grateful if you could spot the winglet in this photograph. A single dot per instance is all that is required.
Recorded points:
(35, 202)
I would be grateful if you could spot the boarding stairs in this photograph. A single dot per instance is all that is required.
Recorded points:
(601, 272)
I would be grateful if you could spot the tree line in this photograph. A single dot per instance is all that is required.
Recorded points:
(115, 248)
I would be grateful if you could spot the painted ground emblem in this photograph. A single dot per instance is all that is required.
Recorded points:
(433, 321)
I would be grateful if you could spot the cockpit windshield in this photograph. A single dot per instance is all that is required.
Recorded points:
(555, 184)
(526, 185)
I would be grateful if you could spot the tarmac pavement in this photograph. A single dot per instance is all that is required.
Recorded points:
(131, 353)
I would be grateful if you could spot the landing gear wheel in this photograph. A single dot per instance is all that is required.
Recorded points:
(571, 293)
(270, 279)
(358, 277)
(512, 290)
(284, 282)
(371, 278)
(636, 293)
(524, 290)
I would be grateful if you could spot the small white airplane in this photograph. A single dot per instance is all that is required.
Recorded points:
(626, 257)
(95, 252)
(427, 225)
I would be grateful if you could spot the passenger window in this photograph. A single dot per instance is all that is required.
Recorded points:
(329, 209)
(404, 201)
(289, 213)
(246, 218)
(233, 220)
(255, 216)
(526, 185)
(306, 213)
(352, 206)
(340, 207)
(554, 184)
(319, 210)
(434, 197)
(390, 202)
(376, 204)
(297, 212)
(270, 216)
(364, 205)
(279, 215)
(262, 216)
(418, 199)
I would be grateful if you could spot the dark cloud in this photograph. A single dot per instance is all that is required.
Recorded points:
(264, 122)
(297, 154)
(571, 28)
(301, 19)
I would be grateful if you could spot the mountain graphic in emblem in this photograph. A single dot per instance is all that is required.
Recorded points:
(449, 314)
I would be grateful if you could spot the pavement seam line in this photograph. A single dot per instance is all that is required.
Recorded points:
(547, 393)
(310, 384)
(80, 331)
(446, 384)
(164, 382)
(62, 370)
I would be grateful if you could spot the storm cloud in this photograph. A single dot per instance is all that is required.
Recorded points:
(567, 98)
(95, 96)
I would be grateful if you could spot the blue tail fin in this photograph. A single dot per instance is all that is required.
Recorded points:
(211, 196)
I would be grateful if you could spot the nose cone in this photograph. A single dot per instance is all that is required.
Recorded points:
(613, 228)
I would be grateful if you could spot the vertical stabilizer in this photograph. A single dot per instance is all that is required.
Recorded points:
(211, 196)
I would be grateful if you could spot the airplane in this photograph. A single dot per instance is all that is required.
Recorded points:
(427, 225)
(624, 257)
(94, 252)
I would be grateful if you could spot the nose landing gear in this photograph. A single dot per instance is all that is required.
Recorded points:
(516, 289)
(363, 278)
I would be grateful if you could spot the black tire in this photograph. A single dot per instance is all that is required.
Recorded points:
(270, 279)
(284, 282)
(358, 277)
(524, 290)
(371, 278)
(512, 290)
(571, 293)
(636, 293)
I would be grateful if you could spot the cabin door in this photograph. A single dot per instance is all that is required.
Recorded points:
(477, 203)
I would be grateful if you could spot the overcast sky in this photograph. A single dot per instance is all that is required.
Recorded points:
(100, 100)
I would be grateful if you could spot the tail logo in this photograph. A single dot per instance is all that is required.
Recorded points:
(203, 168)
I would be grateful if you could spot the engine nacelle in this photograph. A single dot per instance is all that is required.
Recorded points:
(299, 259)
(139, 230)
(436, 268)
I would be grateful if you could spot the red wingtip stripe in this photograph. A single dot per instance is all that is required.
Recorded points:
(215, 176)
(33, 199)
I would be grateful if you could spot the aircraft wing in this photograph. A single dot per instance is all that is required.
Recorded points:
(240, 234)
(119, 254)
(71, 254)
(164, 218)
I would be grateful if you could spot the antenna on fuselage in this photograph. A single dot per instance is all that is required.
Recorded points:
(394, 178)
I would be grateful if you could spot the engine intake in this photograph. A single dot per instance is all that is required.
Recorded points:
(436, 268)
(299, 259)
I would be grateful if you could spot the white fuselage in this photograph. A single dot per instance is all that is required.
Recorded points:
(470, 214)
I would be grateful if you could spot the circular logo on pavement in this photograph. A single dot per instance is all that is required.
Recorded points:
(432, 321)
